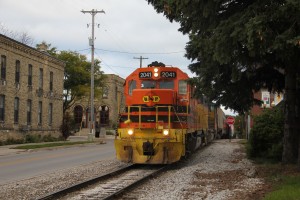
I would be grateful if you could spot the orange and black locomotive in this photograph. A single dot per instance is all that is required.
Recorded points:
(162, 121)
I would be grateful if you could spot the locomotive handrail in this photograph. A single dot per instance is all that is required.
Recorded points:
(169, 115)
(156, 115)
(140, 116)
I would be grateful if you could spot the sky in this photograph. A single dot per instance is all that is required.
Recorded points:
(128, 29)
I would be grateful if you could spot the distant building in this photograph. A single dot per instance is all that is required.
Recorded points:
(107, 106)
(31, 88)
(269, 99)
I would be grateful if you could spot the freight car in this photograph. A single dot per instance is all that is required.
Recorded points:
(162, 121)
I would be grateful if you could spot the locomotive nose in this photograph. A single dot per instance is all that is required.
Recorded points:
(152, 97)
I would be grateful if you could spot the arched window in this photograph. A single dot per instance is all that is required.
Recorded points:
(104, 115)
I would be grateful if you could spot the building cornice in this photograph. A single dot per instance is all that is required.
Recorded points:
(29, 50)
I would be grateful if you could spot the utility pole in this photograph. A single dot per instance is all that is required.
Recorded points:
(91, 43)
(140, 58)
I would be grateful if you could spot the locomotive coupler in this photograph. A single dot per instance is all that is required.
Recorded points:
(148, 149)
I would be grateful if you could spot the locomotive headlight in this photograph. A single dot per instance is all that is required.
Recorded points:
(155, 72)
(130, 132)
(166, 132)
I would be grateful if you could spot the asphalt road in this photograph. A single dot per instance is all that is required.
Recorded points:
(29, 164)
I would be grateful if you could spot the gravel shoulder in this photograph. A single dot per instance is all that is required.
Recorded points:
(216, 172)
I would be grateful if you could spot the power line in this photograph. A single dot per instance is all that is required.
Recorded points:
(127, 52)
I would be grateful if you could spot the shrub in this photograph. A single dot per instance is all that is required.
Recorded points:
(266, 135)
(33, 138)
(66, 126)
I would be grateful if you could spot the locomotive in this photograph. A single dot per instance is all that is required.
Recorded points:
(162, 121)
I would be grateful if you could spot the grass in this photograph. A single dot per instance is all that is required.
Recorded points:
(288, 188)
(50, 144)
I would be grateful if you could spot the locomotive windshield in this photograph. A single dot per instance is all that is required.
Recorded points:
(150, 84)
(166, 84)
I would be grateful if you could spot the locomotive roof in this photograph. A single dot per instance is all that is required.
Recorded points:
(163, 68)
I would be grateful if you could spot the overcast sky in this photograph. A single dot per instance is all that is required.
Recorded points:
(128, 29)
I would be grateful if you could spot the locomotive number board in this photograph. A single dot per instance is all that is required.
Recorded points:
(145, 74)
(163, 74)
(168, 74)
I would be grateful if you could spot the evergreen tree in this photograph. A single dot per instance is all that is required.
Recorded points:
(239, 47)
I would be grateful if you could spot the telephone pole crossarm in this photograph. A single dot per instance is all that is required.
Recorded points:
(141, 58)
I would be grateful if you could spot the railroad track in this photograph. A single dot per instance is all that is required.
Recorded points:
(110, 185)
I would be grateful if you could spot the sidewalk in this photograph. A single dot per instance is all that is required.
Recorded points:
(9, 149)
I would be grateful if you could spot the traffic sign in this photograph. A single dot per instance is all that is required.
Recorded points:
(230, 120)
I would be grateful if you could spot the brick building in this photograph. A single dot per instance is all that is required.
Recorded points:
(107, 106)
(269, 101)
(31, 88)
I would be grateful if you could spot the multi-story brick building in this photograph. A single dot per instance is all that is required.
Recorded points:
(31, 88)
(107, 106)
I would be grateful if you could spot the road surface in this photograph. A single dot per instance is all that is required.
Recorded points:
(32, 163)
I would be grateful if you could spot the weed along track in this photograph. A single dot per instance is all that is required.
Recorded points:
(110, 185)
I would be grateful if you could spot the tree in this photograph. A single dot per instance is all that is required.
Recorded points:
(22, 37)
(44, 46)
(239, 47)
(77, 75)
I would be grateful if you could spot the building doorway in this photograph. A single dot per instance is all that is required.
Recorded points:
(104, 115)
(78, 114)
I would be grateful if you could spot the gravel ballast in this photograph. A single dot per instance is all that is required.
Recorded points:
(217, 171)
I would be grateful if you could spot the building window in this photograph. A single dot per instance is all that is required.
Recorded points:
(40, 113)
(104, 115)
(51, 82)
(29, 105)
(105, 92)
(3, 68)
(17, 73)
(16, 110)
(2, 108)
(41, 79)
(29, 75)
(50, 113)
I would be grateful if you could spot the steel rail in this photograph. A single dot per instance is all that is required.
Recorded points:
(88, 183)
(136, 183)
(72, 188)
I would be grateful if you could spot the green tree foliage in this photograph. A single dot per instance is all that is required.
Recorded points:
(238, 47)
(77, 75)
(77, 79)
(266, 135)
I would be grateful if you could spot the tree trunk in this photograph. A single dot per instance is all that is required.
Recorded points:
(290, 140)
(298, 114)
